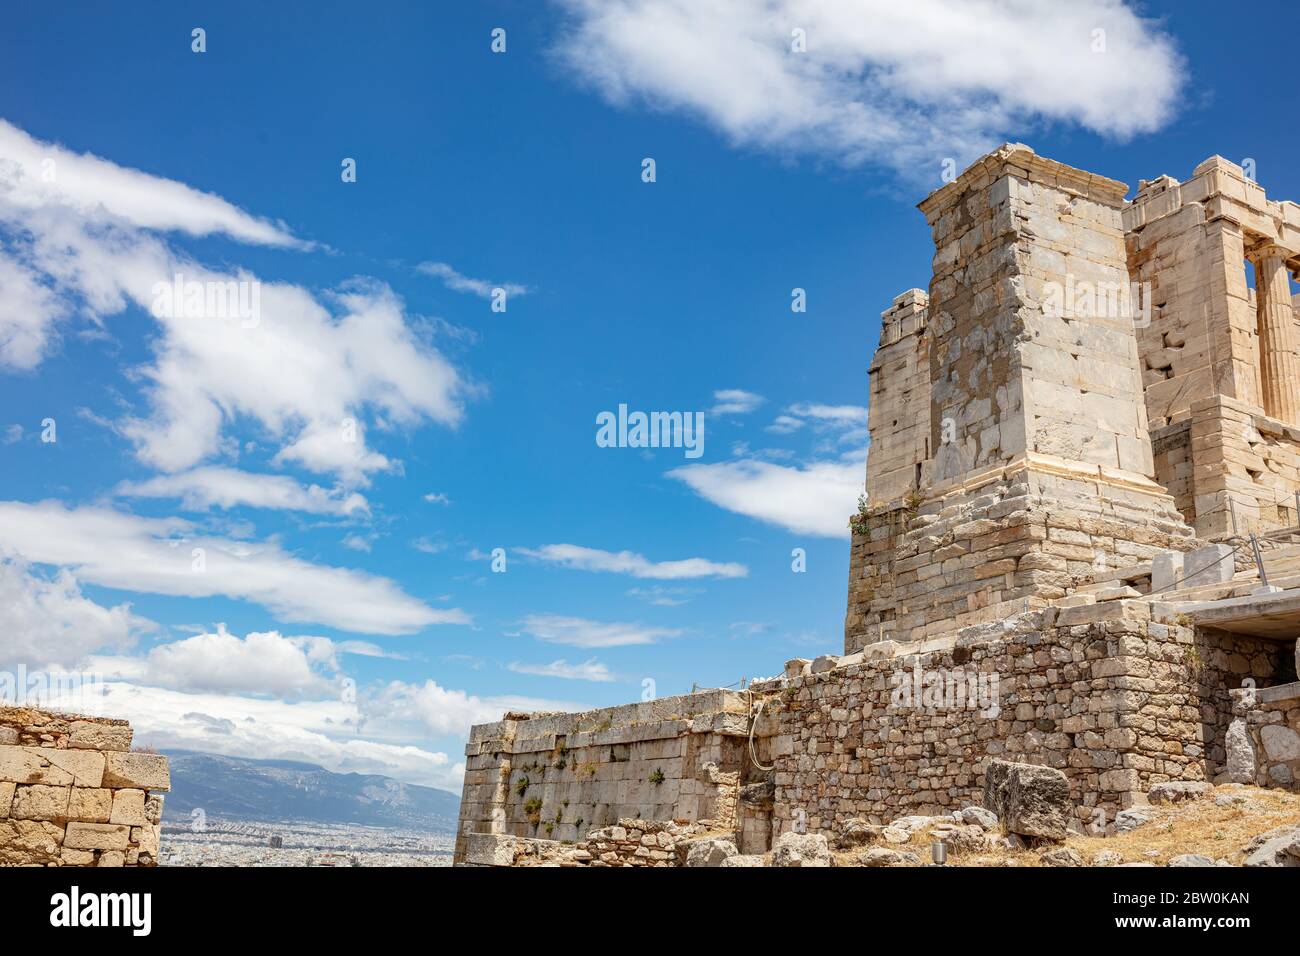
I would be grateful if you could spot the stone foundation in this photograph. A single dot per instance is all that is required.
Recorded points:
(73, 794)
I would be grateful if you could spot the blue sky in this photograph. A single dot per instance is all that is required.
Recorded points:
(362, 569)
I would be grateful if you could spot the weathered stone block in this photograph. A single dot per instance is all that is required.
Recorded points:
(92, 735)
(40, 802)
(97, 836)
(128, 808)
(1029, 800)
(90, 805)
(136, 771)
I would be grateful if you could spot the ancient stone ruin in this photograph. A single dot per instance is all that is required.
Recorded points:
(73, 793)
(1078, 550)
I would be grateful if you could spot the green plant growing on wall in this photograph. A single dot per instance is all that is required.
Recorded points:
(858, 521)
(657, 777)
(533, 810)
(521, 787)
(589, 769)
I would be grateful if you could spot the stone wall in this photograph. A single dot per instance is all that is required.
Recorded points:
(899, 416)
(559, 776)
(1267, 735)
(1017, 541)
(72, 793)
(1116, 701)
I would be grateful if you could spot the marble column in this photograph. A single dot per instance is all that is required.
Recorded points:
(1278, 367)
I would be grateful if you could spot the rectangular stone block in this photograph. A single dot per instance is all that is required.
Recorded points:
(25, 765)
(40, 802)
(90, 805)
(97, 836)
(1208, 565)
(153, 808)
(92, 735)
(6, 799)
(128, 808)
(136, 771)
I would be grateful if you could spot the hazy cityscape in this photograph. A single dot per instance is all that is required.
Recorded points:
(237, 843)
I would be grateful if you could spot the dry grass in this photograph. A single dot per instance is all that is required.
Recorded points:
(1200, 826)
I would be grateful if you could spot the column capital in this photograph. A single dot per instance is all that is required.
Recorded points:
(1268, 249)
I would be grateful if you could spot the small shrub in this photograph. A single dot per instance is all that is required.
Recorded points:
(522, 786)
(657, 777)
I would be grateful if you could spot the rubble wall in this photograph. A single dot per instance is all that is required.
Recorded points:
(1114, 700)
(1269, 750)
(72, 793)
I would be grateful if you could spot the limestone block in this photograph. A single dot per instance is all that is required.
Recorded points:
(153, 808)
(6, 799)
(1211, 564)
(1280, 743)
(136, 771)
(1167, 570)
(40, 802)
(90, 805)
(112, 858)
(8, 736)
(128, 808)
(147, 838)
(802, 850)
(91, 735)
(710, 852)
(77, 857)
(26, 842)
(97, 836)
(1028, 799)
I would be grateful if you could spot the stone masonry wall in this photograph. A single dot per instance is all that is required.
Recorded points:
(1268, 725)
(73, 794)
(1114, 700)
(558, 776)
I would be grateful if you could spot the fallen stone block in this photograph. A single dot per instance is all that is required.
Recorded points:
(1178, 791)
(1028, 800)
(801, 849)
(710, 852)
(1191, 859)
(743, 860)
(1060, 856)
(1279, 847)
(1211, 564)
(883, 856)
(1132, 818)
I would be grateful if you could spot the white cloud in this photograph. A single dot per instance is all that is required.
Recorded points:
(462, 283)
(580, 632)
(323, 732)
(13, 433)
(842, 415)
(664, 597)
(213, 486)
(816, 498)
(591, 670)
(156, 555)
(785, 424)
(628, 562)
(40, 175)
(47, 621)
(313, 374)
(734, 401)
(437, 498)
(899, 84)
(445, 712)
(357, 542)
(260, 663)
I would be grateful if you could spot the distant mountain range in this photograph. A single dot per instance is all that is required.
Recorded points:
(235, 788)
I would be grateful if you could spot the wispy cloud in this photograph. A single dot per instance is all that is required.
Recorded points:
(627, 562)
(203, 488)
(458, 282)
(167, 556)
(591, 670)
(580, 632)
(734, 401)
